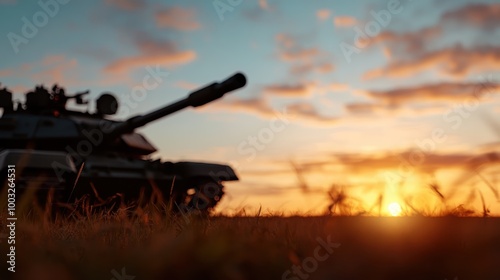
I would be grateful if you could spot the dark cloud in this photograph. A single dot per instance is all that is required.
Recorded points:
(415, 160)
(414, 52)
(448, 92)
(308, 113)
(297, 90)
(480, 15)
(456, 61)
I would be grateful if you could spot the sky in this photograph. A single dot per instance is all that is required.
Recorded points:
(377, 102)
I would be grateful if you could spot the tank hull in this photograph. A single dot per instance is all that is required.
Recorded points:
(104, 177)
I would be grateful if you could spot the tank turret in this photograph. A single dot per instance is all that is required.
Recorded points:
(75, 153)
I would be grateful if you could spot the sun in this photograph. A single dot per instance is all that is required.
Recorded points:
(394, 209)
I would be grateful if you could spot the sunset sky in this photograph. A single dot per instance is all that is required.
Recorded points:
(377, 98)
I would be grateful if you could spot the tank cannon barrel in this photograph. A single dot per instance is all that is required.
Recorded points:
(197, 98)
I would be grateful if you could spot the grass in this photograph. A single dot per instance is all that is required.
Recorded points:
(150, 245)
(452, 242)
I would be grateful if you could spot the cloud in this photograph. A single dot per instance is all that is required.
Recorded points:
(303, 60)
(128, 5)
(415, 51)
(448, 92)
(56, 69)
(167, 60)
(484, 17)
(50, 69)
(303, 89)
(177, 18)
(299, 55)
(292, 49)
(23, 69)
(285, 41)
(149, 45)
(344, 21)
(284, 90)
(308, 113)
(395, 163)
(261, 12)
(254, 106)
(321, 68)
(366, 108)
(479, 15)
(416, 159)
(391, 109)
(414, 42)
(426, 99)
(264, 5)
(456, 61)
(297, 112)
(6, 72)
(152, 52)
(323, 14)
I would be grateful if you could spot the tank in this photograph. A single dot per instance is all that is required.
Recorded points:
(65, 156)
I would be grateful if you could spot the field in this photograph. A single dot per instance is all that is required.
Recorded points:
(118, 246)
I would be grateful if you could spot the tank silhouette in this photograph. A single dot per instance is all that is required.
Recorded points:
(73, 155)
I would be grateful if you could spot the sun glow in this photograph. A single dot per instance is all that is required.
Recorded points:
(394, 209)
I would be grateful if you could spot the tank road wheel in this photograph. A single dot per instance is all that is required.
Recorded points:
(200, 196)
